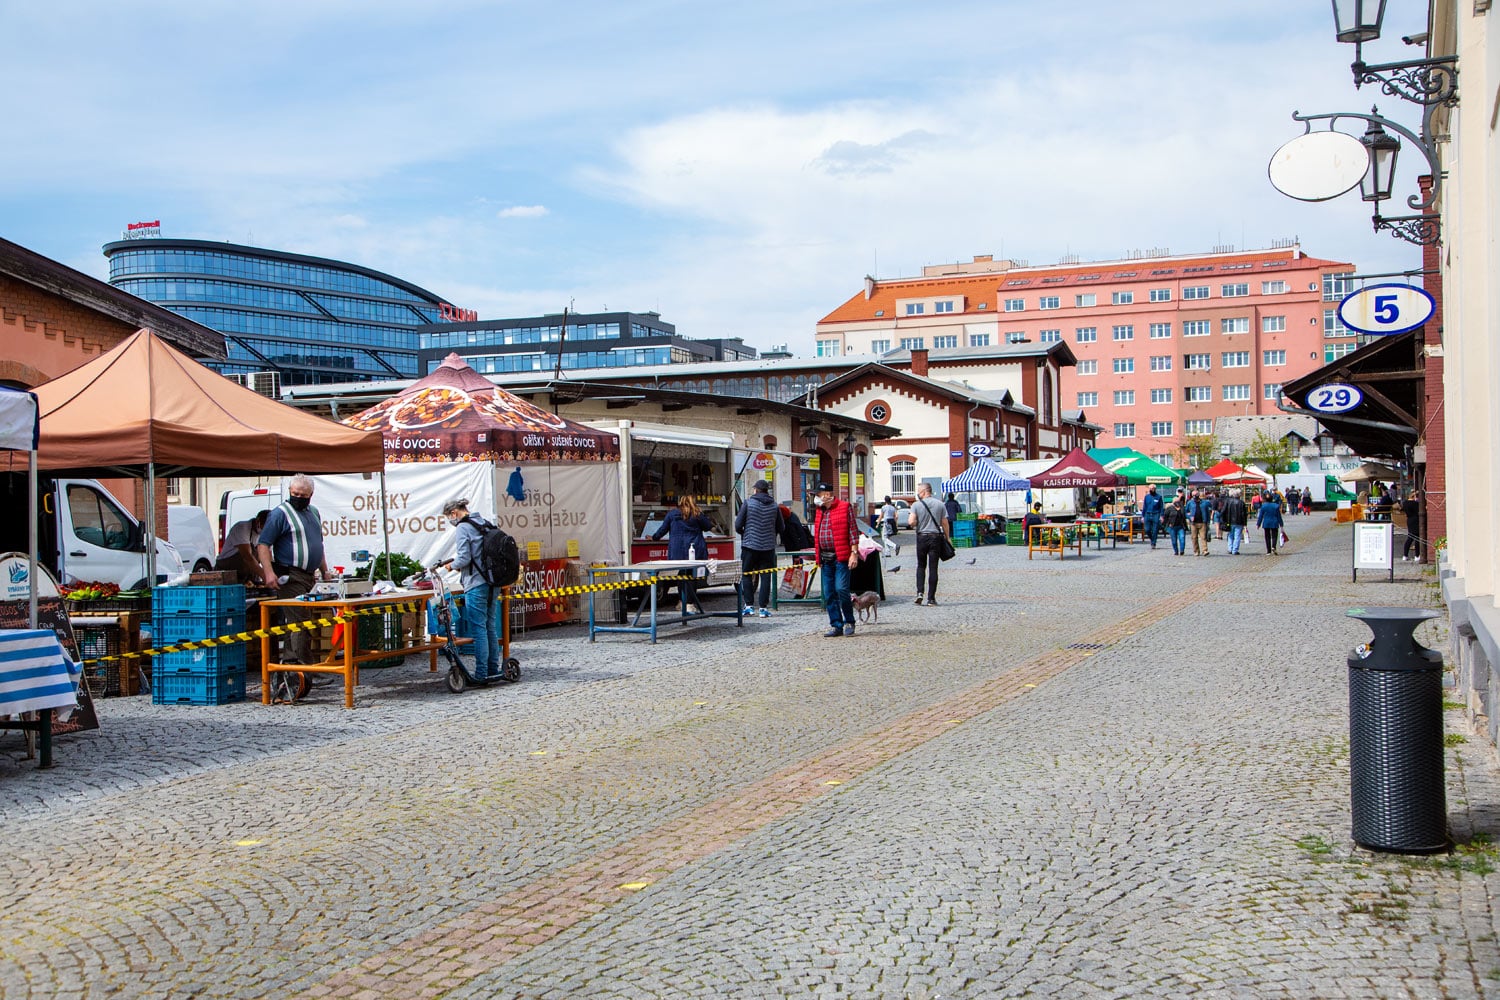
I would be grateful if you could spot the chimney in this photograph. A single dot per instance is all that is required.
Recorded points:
(869, 287)
(919, 361)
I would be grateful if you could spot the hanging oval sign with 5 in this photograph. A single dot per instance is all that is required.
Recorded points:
(1386, 309)
(1334, 397)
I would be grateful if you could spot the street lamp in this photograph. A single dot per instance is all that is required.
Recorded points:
(811, 437)
(1383, 148)
(1358, 20)
(1422, 81)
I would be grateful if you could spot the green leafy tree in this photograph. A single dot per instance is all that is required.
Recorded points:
(1199, 451)
(1275, 455)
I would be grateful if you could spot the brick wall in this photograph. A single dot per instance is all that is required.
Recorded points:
(1435, 480)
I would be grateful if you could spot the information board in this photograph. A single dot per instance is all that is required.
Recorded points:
(1372, 547)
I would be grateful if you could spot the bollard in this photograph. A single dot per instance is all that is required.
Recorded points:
(1396, 792)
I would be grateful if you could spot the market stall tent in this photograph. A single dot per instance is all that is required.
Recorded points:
(1076, 469)
(1135, 468)
(984, 476)
(19, 431)
(1229, 473)
(1201, 478)
(550, 482)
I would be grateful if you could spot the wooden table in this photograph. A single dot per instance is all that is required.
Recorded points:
(345, 659)
(1053, 538)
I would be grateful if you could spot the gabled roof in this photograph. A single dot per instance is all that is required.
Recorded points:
(1239, 432)
(956, 391)
(101, 297)
(992, 287)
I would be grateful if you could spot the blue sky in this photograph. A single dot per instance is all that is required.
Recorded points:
(738, 168)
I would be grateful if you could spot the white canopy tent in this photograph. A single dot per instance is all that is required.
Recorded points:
(19, 430)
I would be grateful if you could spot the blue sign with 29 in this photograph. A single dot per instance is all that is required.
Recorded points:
(1386, 309)
(1334, 397)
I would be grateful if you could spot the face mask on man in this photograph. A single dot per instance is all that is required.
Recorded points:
(817, 501)
(299, 503)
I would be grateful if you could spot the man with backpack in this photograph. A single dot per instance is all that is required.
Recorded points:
(759, 522)
(487, 561)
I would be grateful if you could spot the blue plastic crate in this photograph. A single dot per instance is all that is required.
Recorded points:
(197, 600)
(192, 689)
(169, 627)
(217, 661)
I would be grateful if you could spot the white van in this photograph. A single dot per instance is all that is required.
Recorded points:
(189, 530)
(84, 534)
(241, 505)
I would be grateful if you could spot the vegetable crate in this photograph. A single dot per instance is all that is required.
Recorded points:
(197, 689)
(200, 662)
(198, 600)
(102, 640)
(169, 627)
(383, 631)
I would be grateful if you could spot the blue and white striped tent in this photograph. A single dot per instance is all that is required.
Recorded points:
(984, 476)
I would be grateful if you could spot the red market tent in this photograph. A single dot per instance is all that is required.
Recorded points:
(1228, 473)
(1076, 469)
(457, 415)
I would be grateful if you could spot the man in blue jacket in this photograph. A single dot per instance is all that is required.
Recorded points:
(1151, 508)
(481, 601)
(759, 523)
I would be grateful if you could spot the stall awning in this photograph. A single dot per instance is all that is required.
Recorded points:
(1388, 373)
(677, 435)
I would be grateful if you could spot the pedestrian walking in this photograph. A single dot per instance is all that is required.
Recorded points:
(1235, 517)
(930, 518)
(1151, 511)
(1411, 551)
(759, 523)
(684, 525)
(836, 531)
(1268, 518)
(1199, 512)
(290, 549)
(1307, 501)
(1293, 498)
(1174, 518)
(888, 518)
(481, 600)
(953, 507)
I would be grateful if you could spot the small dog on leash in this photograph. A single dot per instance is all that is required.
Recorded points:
(868, 606)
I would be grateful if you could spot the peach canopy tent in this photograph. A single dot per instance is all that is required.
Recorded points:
(146, 409)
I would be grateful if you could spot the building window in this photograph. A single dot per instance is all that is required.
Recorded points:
(1161, 331)
(1234, 290)
(1236, 392)
(1085, 300)
(1124, 397)
(1273, 288)
(1325, 446)
(1125, 430)
(1161, 395)
(903, 477)
(828, 348)
(979, 340)
(1122, 298)
(1273, 324)
(916, 308)
(1161, 428)
(1015, 305)
(1332, 352)
(1336, 286)
(1196, 362)
(1272, 390)
(1195, 292)
(1087, 366)
(1050, 336)
(1048, 302)
(942, 307)
(1124, 366)
(1200, 394)
(1015, 337)
(1197, 428)
(1236, 359)
(913, 343)
(1272, 359)
(1088, 399)
(879, 346)
(1161, 295)
(1196, 328)
(1234, 324)
(1125, 332)
(1086, 334)
(1333, 326)
(1161, 362)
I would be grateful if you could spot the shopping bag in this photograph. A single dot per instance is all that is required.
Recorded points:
(795, 581)
(1285, 537)
(946, 550)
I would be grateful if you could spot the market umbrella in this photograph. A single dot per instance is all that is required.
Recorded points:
(984, 476)
(1229, 473)
(1368, 471)
(1137, 469)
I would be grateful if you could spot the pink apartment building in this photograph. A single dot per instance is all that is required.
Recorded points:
(1165, 344)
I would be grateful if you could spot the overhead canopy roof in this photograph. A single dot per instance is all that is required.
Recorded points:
(984, 476)
(1137, 469)
(1388, 373)
(1076, 469)
(146, 403)
(1232, 474)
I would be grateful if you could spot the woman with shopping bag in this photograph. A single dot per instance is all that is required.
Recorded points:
(1268, 518)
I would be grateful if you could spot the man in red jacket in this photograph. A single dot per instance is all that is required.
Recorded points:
(836, 535)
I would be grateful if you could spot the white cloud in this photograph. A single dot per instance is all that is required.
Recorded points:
(522, 212)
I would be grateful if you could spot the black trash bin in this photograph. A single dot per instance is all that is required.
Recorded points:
(1396, 736)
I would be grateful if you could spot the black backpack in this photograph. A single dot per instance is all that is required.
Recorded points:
(499, 556)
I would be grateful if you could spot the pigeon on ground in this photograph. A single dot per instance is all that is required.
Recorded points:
(895, 569)
(974, 560)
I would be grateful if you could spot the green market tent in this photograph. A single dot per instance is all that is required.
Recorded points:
(1135, 468)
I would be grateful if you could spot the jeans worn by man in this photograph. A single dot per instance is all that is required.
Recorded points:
(1152, 525)
(1179, 540)
(1236, 536)
(836, 596)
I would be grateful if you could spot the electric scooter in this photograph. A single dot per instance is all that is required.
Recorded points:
(459, 678)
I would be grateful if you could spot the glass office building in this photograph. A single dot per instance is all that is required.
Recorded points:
(307, 319)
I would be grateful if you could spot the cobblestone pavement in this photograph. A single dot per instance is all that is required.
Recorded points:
(1122, 775)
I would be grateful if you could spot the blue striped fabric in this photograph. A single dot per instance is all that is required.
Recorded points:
(982, 477)
(35, 673)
